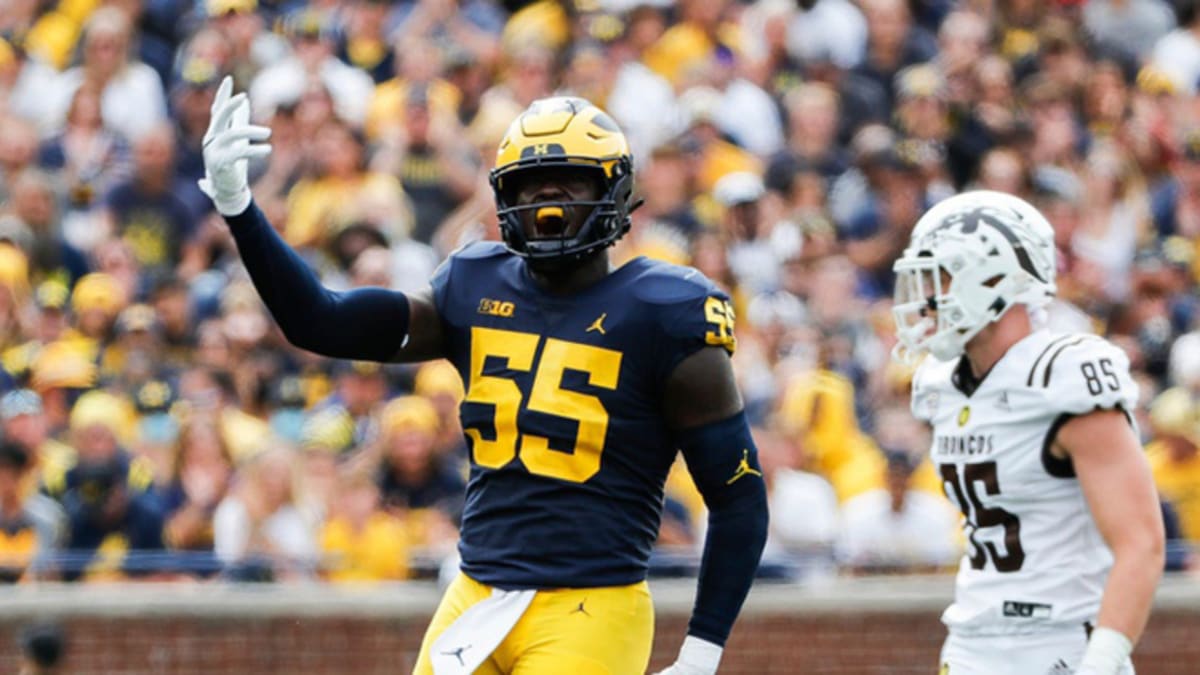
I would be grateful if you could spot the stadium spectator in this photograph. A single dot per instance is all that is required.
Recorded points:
(18, 149)
(32, 223)
(1127, 27)
(473, 25)
(14, 290)
(1178, 52)
(817, 407)
(260, 532)
(877, 233)
(31, 524)
(1175, 456)
(1114, 222)
(88, 157)
(361, 541)
(812, 111)
(42, 648)
(414, 479)
(640, 100)
(364, 41)
(132, 99)
(746, 113)
(200, 475)
(146, 212)
(420, 67)
(669, 182)
(792, 490)
(115, 521)
(341, 190)
(833, 30)
(894, 41)
(310, 64)
(898, 529)
(189, 117)
(702, 34)
(1176, 200)
(28, 84)
(427, 152)
(439, 383)
(704, 144)
(750, 239)
(237, 38)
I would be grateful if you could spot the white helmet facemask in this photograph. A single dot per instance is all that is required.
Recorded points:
(964, 268)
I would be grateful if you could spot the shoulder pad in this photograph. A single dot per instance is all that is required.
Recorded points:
(478, 250)
(926, 380)
(661, 283)
(690, 307)
(440, 280)
(691, 312)
(1081, 373)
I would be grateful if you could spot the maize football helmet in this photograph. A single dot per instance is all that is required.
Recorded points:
(567, 134)
(970, 259)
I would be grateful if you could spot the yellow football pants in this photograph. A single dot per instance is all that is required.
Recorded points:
(576, 631)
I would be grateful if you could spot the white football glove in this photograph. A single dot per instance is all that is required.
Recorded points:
(1107, 652)
(227, 149)
(696, 657)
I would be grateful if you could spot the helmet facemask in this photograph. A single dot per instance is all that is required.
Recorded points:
(553, 235)
(955, 280)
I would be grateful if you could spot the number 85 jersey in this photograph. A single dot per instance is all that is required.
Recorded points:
(569, 448)
(1033, 553)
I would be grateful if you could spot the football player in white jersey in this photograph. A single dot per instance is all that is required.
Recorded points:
(1034, 442)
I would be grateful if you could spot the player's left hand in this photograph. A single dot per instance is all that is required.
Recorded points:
(228, 149)
(696, 657)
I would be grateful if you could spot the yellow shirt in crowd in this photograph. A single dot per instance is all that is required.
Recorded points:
(321, 207)
(377, 552)
(1179, 484)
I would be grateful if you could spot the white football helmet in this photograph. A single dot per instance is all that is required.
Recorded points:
(970, 258)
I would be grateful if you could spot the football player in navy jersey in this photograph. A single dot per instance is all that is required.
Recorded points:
(582, 381)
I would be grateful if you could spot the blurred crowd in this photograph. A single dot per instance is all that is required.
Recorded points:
(154, 423)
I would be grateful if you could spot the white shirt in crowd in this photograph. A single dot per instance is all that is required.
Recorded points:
(133, 102)
(923, 533)
(809, 513)
(287, 533)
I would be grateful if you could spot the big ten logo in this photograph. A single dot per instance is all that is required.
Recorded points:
(496, 307)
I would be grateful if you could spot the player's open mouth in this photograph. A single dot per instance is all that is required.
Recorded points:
(549, 221)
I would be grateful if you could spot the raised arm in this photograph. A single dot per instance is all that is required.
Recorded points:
(374, 324)
(703, 404)
(1120, 492)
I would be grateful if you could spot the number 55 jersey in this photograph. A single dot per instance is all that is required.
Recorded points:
(1034, 556)
(569, 448)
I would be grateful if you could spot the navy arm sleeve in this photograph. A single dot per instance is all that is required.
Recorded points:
(724, 464)
(364, 323)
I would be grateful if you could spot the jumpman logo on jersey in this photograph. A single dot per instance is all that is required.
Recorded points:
(744, 469)
(580, 609)
(457, 653)
(598, 324)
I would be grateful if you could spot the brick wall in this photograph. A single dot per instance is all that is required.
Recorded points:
(820, 643)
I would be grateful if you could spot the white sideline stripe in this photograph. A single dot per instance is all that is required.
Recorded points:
(903, 595)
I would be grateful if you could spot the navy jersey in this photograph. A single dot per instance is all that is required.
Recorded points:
(569, 450)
